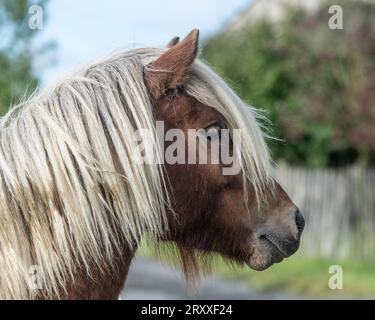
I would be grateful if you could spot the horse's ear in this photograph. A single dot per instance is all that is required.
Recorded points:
(173, 42)
(171, 69)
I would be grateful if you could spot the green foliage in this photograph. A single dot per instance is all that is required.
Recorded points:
(316, 84)
(17, 52)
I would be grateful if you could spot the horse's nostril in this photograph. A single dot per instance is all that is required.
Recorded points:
(300, 222)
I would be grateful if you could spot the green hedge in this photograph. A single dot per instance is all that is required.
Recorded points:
(316, 84)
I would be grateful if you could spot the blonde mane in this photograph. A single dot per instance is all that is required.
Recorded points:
(70, 194)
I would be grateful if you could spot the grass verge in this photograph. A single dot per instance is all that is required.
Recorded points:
(300, 276)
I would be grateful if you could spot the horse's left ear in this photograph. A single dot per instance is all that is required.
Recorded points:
(171, 69)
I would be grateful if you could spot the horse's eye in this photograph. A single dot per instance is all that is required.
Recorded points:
(213, 132)
(172, 93)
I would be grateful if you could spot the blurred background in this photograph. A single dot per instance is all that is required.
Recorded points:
(316, 85)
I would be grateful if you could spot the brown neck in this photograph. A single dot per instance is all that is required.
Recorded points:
(101, 284)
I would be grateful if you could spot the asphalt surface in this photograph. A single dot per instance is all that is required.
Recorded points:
(152, 280)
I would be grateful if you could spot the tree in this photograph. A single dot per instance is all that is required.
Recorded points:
(17, 52)
(316, 84)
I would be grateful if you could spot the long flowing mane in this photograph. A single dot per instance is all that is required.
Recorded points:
(69, 192)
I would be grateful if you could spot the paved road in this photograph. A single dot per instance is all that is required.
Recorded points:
(149, 279)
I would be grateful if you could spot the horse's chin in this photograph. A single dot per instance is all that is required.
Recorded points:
(264, 257)
(263, 265)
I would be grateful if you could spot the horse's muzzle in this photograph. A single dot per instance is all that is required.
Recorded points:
(287, 243)
(275, 242)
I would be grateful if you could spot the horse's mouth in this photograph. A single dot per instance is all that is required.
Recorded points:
(270, 241)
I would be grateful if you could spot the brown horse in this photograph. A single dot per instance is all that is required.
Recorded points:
(74, 206)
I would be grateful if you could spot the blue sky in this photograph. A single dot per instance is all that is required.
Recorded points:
(87, 29)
